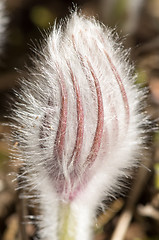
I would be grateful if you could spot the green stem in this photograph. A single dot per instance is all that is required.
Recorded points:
(67, 229)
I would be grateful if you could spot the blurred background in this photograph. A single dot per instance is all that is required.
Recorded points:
(135, 217)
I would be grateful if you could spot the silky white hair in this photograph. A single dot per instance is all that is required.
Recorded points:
(77, 123)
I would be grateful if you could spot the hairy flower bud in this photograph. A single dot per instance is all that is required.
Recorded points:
(77, 124)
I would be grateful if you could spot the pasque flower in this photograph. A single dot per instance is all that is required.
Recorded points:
(77, 124)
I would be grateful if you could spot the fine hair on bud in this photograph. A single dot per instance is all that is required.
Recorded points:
(77, 124)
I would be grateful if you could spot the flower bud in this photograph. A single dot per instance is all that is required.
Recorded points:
(77, 123)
